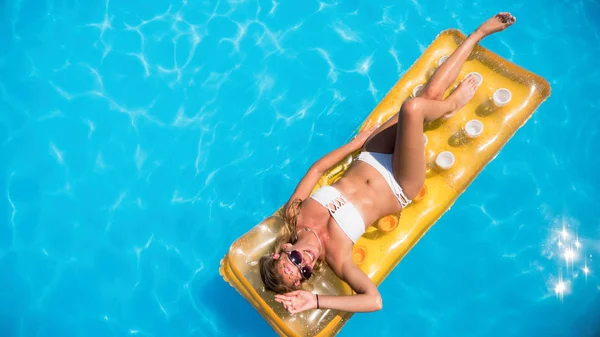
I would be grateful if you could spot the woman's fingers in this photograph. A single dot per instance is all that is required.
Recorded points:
(285, 302)
(292, 301)
(288, 296)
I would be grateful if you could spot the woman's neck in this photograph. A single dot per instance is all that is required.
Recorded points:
(317, 225)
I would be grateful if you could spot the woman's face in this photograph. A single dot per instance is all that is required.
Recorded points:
(290, 272)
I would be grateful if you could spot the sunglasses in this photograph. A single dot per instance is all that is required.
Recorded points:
(296, 258)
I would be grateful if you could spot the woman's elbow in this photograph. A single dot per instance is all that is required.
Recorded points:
(378, 303)
(317, 169)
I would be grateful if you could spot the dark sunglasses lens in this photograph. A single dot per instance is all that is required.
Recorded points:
(306, 272)
(296, 257)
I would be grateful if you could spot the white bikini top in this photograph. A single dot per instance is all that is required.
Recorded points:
(342, 211)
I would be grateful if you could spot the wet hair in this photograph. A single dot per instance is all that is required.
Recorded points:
(269, 267)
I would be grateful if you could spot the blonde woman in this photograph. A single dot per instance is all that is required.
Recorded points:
(387, 174)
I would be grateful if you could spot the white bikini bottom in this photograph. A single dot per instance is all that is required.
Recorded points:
(383, 163)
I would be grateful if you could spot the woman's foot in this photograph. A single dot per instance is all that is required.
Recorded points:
(463, 94)
(497, 23)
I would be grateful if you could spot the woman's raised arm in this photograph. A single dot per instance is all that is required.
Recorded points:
(314, 173)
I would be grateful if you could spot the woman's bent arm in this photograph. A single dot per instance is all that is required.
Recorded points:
(338, 154)
(335, 156)
(317, 169)
(367, 298)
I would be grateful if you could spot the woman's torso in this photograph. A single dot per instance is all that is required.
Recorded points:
(368, 191)
(364, 187)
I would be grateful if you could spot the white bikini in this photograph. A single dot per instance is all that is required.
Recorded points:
(342, 211)
(346, 214)
(383, 163)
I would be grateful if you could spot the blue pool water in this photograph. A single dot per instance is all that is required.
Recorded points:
(139, 139)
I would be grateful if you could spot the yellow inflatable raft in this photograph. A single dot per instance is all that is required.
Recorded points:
(457, 150)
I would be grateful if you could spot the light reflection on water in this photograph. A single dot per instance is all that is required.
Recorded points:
(567, 249)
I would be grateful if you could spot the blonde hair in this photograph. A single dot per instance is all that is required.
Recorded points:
(269, 267)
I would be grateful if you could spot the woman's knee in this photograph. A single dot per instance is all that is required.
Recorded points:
(412, 108)
(412, 188)
(412, 193)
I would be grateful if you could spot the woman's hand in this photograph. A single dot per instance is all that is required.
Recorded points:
(297, 301)
(361, 138)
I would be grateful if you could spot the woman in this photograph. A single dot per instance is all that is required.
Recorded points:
(387, 174)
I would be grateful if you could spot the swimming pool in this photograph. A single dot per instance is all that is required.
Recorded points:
(139, 139)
